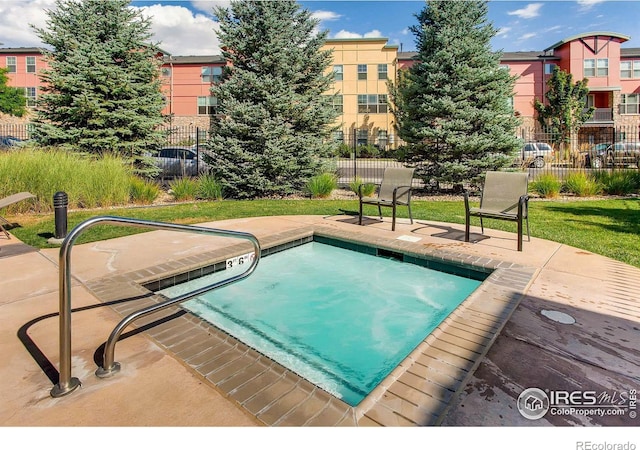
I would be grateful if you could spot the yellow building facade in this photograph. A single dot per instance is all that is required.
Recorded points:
(362, 69)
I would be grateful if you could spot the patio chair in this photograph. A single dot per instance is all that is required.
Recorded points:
(394, 190)
(504, 196)
(10, 200)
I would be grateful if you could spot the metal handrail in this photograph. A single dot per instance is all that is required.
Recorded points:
(66, 383)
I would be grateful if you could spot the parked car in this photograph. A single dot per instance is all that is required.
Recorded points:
(10, 141)
(535, 154)
(179, 161)
(618, 154)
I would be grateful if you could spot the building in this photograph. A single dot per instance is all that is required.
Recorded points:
(363, 67)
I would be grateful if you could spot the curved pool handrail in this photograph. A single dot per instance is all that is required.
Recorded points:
(66, 383)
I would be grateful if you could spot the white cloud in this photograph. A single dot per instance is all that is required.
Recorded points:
(344, 34)
(16, 18)
(588, 4)
(207, 6)
(504, 31)
(528, 12)
(325, 15)
(526, 36)
(178, 30)
(181, 32)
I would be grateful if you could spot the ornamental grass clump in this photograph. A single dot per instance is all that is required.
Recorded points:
(581, 185)
(547, 186)
(367, 188)
(322, 185)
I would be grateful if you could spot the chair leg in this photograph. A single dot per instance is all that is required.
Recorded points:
(481, 225)
(380, 211)
(520, 234)
(410, 216)
(360, 215)
(393, 217)
(528, 234)
(467, 218)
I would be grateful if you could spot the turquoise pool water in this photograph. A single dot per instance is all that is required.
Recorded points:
(339, 318)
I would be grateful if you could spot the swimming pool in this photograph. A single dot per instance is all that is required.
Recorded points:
(341, 319)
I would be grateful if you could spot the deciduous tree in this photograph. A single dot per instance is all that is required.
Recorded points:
(12, 100)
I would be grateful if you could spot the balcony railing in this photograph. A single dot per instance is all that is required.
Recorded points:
(601, 115)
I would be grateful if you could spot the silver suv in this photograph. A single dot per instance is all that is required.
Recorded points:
(179, 162)
(534, 154)
(618, 154)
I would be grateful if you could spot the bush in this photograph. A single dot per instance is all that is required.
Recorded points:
(622, 182)
(321, 186)
(367, 188)
(143, 192)
(581, 185)
(184, 188)
(89, 182)
(209, 188)
(547, 186)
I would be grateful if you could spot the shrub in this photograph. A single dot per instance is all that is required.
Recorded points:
(581, 185)
(547, 186)
(209, 188)
(618, 182)
(88, 181)
(184, 188)
(321, 186)
(367, 188)
(143, 192)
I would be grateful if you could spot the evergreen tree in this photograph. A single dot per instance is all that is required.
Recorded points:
(12, 100)
(452, 105)
(565, 111)
(102, 88)
(274, 118)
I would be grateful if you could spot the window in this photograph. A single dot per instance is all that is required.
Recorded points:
(338, 103)
(362, 71)
(590, 101)
(589, 67)
(383, 139)
(12, 64)
(596, 67)
(548, 68)
(30, 94)
(362, 137)
(207, 105)
(338, 73)
(629, 104)
(211, 74)
(629, 69)
(372, 103)
(31, 64)
(603, 67)
(382, 71)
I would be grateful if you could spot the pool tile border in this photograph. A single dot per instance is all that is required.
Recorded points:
(418, 392)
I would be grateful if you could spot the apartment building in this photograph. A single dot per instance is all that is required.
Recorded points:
(363, 67)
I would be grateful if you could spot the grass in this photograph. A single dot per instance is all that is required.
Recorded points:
(609, 227)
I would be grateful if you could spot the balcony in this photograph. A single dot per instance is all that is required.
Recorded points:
(601, 115)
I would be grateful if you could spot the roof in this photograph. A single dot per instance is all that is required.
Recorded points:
(506, 56)
(630, 52)
(610, 34)
(203, 59)
(21, 50)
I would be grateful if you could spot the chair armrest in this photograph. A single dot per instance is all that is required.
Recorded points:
(523, 205)
(395, 192)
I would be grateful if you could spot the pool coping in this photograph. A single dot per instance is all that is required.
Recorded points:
(418, 392)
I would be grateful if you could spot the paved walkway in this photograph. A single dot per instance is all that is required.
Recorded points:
(575, 328)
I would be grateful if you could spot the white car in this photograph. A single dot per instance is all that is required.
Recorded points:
(179, 162)
(535, 154)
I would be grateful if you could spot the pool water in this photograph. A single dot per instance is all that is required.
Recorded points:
(339, 318)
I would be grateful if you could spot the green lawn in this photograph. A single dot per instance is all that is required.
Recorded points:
(608, 227)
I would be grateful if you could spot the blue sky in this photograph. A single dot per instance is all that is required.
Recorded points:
(186, 27)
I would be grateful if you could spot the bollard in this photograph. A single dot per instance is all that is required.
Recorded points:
(60, 203)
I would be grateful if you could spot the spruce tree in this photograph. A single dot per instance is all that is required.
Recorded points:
(12, 100)
(452, 105)
(274, 119)
(102, 90)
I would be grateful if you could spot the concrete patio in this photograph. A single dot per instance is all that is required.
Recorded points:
(598, 352)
